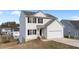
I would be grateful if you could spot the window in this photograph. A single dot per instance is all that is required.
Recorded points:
(40, 20)
(29, 32)
(32, 32)
(34, 20)
(31, 20)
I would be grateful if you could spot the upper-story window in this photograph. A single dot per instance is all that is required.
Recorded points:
(40, 20)
(31, 20)
(34, 20)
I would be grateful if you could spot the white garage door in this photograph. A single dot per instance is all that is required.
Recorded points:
(55, 34)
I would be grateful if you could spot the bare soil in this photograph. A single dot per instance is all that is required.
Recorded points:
(36, 44)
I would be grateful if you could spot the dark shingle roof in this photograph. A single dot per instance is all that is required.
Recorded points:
(32, 13)
(29, 12)
(48, 15)
(16, 29)
(75, 23)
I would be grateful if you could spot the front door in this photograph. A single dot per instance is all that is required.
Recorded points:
(40, 32)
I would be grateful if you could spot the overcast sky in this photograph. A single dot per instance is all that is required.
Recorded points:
(13, 15)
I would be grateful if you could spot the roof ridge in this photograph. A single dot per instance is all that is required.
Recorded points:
(68, 20)
(32, 13)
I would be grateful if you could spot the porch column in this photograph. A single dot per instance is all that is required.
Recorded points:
(38, 32)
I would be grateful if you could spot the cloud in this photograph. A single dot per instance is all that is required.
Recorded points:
(16, 12)
(74, 18)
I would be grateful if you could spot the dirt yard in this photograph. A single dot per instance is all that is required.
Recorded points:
(36, 44)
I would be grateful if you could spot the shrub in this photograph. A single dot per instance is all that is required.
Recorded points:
(71, 37)
(66, 37)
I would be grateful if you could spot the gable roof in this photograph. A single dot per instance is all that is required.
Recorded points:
(29, 13)
(74, 23)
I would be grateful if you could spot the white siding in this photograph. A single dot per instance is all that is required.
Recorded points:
(22, 27)
(6, 30)
(55, 30)
(45, 32)
(40, 14)
(33, 26)
(46, 20)
(16, 34)
(29, 26)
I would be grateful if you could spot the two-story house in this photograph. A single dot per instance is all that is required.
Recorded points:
(71, 28)
(34, 24)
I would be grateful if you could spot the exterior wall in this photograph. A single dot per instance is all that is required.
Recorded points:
(54, 30)
(76, 34)
(45, 21)
(16, 34)
(6, 30)
(33, 26)
(73, 32)
(39, 14)
(44, 32)
(22, 27)
(69, 29)
(30, 26)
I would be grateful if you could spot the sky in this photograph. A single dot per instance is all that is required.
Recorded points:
(13, 15)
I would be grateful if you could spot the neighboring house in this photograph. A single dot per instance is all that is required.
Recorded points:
(34, 24)
(16, 33)
(71, 28)
(11, 32)
(6, 31)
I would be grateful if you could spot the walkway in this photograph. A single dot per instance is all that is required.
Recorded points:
(72, 42)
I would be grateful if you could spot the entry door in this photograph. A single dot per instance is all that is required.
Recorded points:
(40, 32)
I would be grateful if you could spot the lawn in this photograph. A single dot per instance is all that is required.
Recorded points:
(38, 44)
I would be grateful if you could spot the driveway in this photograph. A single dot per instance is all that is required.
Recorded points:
(72, 42)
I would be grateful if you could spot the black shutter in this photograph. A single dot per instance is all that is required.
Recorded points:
(28, 20)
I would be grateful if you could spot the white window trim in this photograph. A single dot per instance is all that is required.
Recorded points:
(40, 19)
(31, 31)
(32, 20)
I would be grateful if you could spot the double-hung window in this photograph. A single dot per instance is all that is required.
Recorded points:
(32, 32)
(31, 20)
(34, 20)
(40, 20)
(29, 32)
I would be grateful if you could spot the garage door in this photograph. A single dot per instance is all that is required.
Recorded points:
(55, 34)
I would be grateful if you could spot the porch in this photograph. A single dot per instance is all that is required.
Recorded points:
(41, 31)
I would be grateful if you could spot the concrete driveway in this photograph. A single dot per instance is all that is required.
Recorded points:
(72, 42)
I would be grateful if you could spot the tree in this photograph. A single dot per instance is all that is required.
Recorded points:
(8, 25)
